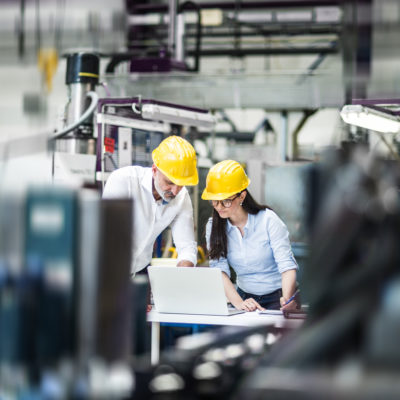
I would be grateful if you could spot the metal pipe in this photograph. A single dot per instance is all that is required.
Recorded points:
(295, 146)
(78, 100)
(180, 35)
(284, 137)
(279, 30)
(172, 8)
(273, 30)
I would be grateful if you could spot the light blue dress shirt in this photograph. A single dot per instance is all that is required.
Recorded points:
(260, 256)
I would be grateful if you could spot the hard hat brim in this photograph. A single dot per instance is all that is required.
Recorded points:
(183, 181)
(221, 196)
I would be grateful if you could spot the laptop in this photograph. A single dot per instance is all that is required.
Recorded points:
(189, 290)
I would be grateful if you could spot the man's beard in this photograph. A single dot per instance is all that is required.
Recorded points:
(163, 194)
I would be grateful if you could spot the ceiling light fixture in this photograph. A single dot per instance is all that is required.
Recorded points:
(117, 120)
(178, 115)
(377, 115)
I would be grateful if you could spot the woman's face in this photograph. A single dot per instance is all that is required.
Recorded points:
(230, 206)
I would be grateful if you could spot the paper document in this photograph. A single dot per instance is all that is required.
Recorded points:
(271, 312)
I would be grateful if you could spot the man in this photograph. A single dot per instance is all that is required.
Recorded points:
(160, 200)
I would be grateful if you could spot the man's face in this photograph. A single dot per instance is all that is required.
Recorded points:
(165, 188)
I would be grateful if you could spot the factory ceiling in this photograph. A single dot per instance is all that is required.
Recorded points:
(269, 54)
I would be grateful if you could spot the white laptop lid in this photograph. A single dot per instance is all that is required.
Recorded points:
(188, 290)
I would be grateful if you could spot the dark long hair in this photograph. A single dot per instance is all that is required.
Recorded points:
(218, 239)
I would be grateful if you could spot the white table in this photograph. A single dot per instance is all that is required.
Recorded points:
(243, 319)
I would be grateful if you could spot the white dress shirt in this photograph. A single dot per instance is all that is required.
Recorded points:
(151, 217)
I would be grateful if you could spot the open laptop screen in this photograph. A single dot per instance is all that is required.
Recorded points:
(188, 290)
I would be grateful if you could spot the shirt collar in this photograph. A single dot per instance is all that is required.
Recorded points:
(250, 221)
(147, 184)
(147, 181)
(246, 227)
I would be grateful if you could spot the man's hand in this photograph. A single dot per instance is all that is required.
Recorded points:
(249, 305)
(185, 263)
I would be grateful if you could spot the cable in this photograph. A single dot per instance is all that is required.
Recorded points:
(93, 104)
(391, 150)
(21, 30)
(106, 89)
(110, 157)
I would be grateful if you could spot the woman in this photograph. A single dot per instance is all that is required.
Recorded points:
(250, 238)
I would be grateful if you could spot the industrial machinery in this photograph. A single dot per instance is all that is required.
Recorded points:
(65, 311)
(108, 133)
(75, 145)
(346, 348)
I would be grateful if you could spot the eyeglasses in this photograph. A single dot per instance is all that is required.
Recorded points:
(226, 203)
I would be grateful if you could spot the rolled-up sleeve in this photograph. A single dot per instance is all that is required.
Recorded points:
(222, 262)
(280, 244)
(182, 228)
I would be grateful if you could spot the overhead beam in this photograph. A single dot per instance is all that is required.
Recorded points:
(135, 8)
(262, 52)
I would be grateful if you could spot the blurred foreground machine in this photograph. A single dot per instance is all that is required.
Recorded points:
(69, 313)
(348, 347)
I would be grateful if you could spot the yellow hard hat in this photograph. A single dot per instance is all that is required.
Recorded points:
(176, 159)
(224, 180)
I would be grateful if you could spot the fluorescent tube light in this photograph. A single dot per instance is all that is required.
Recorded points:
(369, 118)
(116, 120)
(181, 116)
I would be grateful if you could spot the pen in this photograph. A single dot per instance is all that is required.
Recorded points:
(292, 297)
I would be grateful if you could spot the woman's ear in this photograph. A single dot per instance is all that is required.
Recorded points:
(242, 196)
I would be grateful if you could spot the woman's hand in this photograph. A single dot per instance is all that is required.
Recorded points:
(290, 306)
(249, 305)
(288, 289)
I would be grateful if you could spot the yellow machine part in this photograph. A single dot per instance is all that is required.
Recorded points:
(47, 63)
(201, 257)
